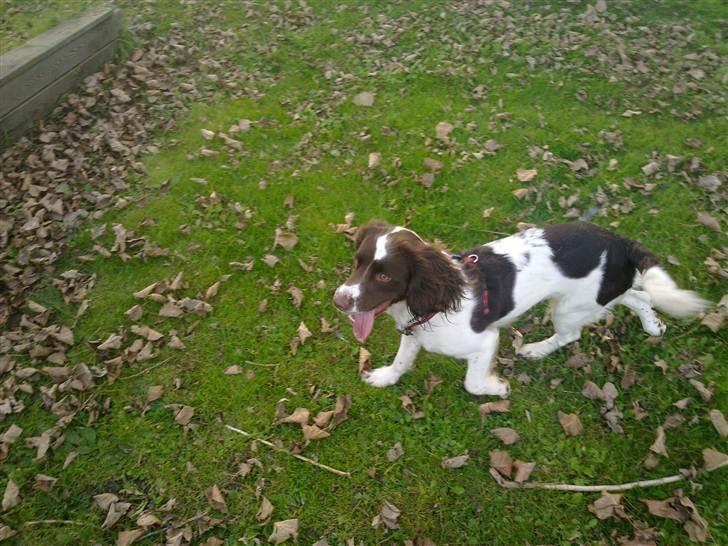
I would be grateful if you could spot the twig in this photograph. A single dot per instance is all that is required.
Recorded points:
(176, 525)
(145, 370)
(54, 522)
(299, 457)
(259, 364)
(591, 488)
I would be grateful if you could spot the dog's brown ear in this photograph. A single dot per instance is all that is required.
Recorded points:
(374, 226)
(435, 285)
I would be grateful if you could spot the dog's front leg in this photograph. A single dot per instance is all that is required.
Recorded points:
(389, 375)
(480, 378)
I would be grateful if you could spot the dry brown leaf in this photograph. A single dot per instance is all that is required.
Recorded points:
(608, 506)
(176, 343)
(104, 500)
(270, 260)
(341, 410)
(506, 435)
(501, 461)
(365, 360)
(215, 499)
(11, 497)
(364, 98)
(387, 516)
(207, 134)
(184, 415)
(714, 321)
(662, 509)
(432, 164)
(303, 333)
(571, 423)
(296, 296)
(713, 458)
(375, 159)
(44, 483)
(116, 511)
(323, 418)
(233, 370)
(708, 221)
(455, 462)
(443, 130)
(283, 530)
(705, 393)
(658, 445)
(395, 452)
(520, 193)
(135, 313)
(265, 511)
(526, 175)
(431, 382)
(523, 470)
(155, 392)
(312, 432)
(299, 416)
(286, 239)
(112, 342)
(719, 422)
(147, 520)
(125, 538)
(499, 406)
(146, 332)
(426, 179)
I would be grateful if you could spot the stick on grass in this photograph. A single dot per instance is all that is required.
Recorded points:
(299, 457)
(508, 484)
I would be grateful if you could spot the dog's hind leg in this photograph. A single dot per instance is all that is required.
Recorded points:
(569, 317)
(639, 302)
(480, 378)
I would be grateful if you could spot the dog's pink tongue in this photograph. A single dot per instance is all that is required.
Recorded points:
(363, 324)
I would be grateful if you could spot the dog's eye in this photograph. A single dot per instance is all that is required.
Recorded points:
(383, 277)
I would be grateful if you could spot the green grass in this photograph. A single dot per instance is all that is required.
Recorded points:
(21, 20)
(306, 142)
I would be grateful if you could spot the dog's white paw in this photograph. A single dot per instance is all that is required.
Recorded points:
(492, 386)
(535, 350)
(381, 377)
(654, 327)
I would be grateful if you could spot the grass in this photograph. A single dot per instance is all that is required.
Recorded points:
(21, 20)
(307, 142)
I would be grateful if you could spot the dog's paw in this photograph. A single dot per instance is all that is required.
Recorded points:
(491, 386)
(535, 350)
(381, 377)
(654, 327)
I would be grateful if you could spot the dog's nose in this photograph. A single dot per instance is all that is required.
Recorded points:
(343, 300)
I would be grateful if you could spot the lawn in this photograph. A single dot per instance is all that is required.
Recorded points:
(621, 113)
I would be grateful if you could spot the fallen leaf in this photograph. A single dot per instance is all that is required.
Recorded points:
(719, 422)
(714, 321)
(125, 538)
(184, 415)
(506, 435)
(312, 432)
(341, 410)
(705, 393)
(714, 459)
(303, 333)
(520, 193)
(708, 221)
(442, 130)
(395, 452)
(364, 98)
(270, 260)
(431, 382)
(571, 423)
(104, 500)
(499, 406)
(526, 175)
(523, 470)
(286, 239)
(116, 511)
(375, 160)
(283, 530)
(215, 499)
(299, 416)
(323, 418)
(233, 370)
(658, 445)
(432, 164)
(147, 520)
(265, 511)
(11, 498)
(662, 509)
(608, 506)
(427, 179)
(44, 483)
(501, 461)
(365, 360)
(296, 296)
(455, 462)
(387, 516)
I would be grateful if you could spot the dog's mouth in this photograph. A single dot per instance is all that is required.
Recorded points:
(364, 322)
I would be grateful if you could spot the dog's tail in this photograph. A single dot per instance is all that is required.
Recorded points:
(664, 292)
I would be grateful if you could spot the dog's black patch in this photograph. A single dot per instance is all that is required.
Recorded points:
(496, 274)
(578, 248)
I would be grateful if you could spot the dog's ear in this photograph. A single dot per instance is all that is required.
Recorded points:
(435, 285)
(374, 226)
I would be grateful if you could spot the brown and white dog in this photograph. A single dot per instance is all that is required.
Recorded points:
(455, 304)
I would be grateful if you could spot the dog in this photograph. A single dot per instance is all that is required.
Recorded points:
(455, 304)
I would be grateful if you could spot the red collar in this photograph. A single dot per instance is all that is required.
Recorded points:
(408, 329)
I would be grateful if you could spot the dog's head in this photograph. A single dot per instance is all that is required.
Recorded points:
(393, 264)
